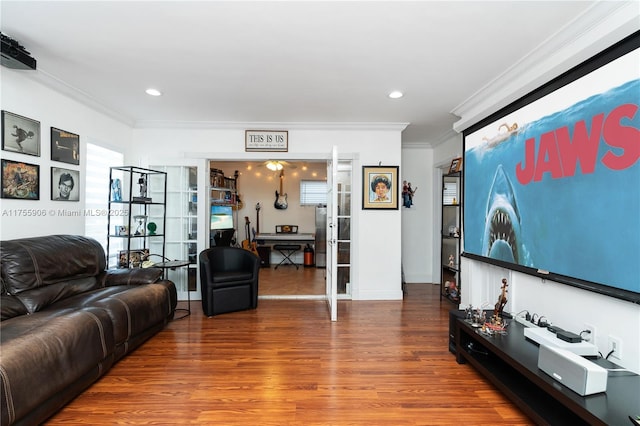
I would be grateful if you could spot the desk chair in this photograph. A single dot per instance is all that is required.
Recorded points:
(287, 250)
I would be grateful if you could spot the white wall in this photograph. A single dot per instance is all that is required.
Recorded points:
(568, 307)
(23, 95)
(376, 235)
(417, 221)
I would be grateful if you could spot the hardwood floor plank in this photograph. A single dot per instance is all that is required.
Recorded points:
(285, 363)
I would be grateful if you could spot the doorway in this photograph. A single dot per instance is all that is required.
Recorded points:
(259, 189)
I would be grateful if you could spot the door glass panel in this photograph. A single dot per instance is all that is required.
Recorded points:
(344, 252)
(344, 274)
(344, 176)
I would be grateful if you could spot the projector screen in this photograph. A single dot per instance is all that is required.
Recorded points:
(552, 182)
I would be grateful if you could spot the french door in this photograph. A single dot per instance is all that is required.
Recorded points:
(332, 235)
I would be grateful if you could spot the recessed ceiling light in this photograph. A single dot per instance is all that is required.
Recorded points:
(153, 92)
(396, 94)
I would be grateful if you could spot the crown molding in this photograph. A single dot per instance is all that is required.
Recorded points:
(263, 125)
(54, 83)
(599, 27)
(416, 145)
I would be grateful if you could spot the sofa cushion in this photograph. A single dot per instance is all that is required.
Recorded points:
(28, 263)
(130, 276)
(45, 352)
(42, 297)
(220, 278)
(133, 308)
(11, 306)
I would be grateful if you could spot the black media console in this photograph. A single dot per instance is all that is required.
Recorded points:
(510, 362)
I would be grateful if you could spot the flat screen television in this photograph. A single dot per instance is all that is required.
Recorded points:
(552, 182)
(221, 217)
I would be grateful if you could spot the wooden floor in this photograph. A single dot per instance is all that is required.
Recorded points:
(289, 281)
(382, 363)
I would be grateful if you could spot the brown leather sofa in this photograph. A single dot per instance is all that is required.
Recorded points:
(65, 320)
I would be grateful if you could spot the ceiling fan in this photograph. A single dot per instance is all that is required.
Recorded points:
(275, 165)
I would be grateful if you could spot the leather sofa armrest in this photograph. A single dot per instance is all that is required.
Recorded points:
(133, 276)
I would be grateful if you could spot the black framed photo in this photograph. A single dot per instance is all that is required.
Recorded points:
(65, 184)
(380, 187)
(20, 134)
(20, 180)
(65, 146)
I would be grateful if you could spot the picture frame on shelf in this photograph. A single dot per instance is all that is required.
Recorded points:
(135, 258)
(65, 184)
(380, 187)
(456, 165)
(20, 181)
(20, 134)
(65, 146)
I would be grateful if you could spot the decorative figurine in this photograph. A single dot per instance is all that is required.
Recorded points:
(143, 185)
(116, 190)
(143, 198)
(502, 300)
(141, 222)
(453, 289)
(151, 226)
(451, 261)
(407, 194)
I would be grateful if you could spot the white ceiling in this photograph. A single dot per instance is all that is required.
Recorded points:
(288, 62)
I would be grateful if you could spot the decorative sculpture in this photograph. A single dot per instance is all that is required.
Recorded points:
(502, 300)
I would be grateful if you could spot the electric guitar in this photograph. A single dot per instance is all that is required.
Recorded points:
(246, 244)
(281, 199)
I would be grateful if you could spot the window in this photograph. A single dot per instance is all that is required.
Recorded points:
(449, 193)
(96, 189)
(313, 192)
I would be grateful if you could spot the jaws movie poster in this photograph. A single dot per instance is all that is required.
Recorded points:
(555, 185)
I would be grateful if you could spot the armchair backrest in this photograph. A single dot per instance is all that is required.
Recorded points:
(226, 259)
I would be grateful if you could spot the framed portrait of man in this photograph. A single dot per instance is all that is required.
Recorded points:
(65, 184)
(380, 187)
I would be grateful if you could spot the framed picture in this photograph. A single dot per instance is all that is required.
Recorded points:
(456, 165)
(266, 140)
(20, 180)
(380, 187)
(65, 146)
(132, 258)
(65, 184)
(20, 134)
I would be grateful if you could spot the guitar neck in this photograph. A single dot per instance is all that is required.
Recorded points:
(281, 180)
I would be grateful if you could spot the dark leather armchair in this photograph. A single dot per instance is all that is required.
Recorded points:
(228, 280)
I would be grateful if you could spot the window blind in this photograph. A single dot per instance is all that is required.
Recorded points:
(313, 192)
(96, 191)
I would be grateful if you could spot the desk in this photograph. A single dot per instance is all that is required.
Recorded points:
(263, 238)
(510, 362)
(173, 264)
(285, 238)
